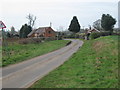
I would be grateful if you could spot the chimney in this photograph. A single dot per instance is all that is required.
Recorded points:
(50, 24)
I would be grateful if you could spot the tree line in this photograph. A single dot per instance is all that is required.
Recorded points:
(106, 23)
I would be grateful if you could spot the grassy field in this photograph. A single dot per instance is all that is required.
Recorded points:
(19, 52)
(95, 65)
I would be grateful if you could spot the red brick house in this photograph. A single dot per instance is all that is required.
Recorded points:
(42, 32)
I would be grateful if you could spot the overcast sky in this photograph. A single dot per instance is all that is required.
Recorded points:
(59, 12)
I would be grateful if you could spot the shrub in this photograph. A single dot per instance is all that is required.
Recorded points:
(72, 36)
(82, 36)
(50, 38)
(29, 40)
(105, 33)
(98, 34)
(116, 33)
(94, 35)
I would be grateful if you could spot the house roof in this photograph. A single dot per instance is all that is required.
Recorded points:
(39, 31)
(93, 30)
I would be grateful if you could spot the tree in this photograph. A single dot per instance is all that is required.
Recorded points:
(12, 32)
(8, 35)
(74, 25)
(97, 24)
(25, 30)
(31, 20)
(107, 22)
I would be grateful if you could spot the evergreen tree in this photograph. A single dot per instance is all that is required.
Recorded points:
(21, 32)
(74, 25)
(25, 30)
(107, 22)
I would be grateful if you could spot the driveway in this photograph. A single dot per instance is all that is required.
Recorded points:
(24, 74)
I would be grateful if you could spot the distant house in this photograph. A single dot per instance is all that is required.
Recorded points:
(91, 30)
(42, 32)
(94, 30)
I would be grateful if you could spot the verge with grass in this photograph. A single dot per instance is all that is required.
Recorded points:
(95, 65)
(18, 52)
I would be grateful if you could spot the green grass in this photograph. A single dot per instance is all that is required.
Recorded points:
(19, 52)
(95, 65)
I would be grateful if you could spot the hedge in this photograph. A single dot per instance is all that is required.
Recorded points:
(98, 34)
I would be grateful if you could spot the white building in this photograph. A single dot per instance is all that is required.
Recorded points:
(119, 14)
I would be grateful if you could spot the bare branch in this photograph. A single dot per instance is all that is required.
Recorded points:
(31, 20)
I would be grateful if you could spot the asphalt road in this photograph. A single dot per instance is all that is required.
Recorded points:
(24, 74)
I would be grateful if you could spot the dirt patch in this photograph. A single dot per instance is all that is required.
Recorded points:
(97, 46)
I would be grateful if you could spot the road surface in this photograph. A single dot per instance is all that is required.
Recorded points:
(24, 74)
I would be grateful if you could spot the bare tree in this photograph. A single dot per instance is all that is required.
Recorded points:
(97, 24)
(31, 19)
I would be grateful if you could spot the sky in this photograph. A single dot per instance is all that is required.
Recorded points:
(58, 12)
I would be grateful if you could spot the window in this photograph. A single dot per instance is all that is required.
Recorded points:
(49, 32)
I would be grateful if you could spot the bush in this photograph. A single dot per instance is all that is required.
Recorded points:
(82, 36)
(116, 33)
(98, 34)
(105, 33)
(29, 40)
(50, 39)
(94, 35)
(72, 36)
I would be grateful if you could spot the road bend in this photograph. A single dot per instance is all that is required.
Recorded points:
(24, 74)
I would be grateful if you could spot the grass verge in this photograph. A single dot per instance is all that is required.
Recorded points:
(18, 52)
(95, 65)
